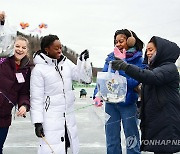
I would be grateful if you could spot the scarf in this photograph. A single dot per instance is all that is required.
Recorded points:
(130, 52)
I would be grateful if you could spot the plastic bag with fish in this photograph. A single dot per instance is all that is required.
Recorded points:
(7, 38)
(112, 87)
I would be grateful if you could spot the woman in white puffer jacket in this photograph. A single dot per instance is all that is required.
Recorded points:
(52, 98)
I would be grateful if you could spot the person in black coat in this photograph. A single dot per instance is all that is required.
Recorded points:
(160, 114)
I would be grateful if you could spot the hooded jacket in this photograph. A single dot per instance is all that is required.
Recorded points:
(11, 92)
(160, 117)
(52, 101)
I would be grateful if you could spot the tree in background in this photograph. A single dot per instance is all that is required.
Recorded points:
(34, 42)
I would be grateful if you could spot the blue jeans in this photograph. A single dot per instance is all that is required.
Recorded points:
(126, 114)
(3, 135)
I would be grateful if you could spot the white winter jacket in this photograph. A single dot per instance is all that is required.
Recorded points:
(52, 101)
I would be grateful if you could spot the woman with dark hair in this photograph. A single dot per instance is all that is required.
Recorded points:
(160, 114)
(137, 43)
(129, 48)
(52, 97)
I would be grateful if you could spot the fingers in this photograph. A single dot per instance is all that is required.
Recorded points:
(117, 61)
(22, 111)
(39, 130)
(98, 102)
(38, 133)
(116, 64)
(42, 133)
(2, 15)
(85, 53)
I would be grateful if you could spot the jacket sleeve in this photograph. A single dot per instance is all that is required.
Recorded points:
(37, 95)
(158, 76)
(24, 93)
(131, 82)
(82, 72)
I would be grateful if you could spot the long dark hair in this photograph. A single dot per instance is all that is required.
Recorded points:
(138, 45)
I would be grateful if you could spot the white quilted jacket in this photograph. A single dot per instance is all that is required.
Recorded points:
(52, 101)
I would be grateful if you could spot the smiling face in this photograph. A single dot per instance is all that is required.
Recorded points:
(121, 42)
(151, 50)
(54, 50)
(20, 49)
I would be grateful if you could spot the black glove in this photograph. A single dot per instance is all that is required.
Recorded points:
(39, 130)
(85, 53)
(2, 17)
(119, 65)
(2, 22)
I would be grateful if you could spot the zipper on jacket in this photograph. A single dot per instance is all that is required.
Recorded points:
(47, 103)
(57, 69)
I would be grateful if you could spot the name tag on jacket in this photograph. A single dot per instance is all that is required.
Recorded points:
(20, 77)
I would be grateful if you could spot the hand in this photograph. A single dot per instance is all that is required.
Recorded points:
(39, 130)
(98, 102)
(2, 17)
(119, 65)
(85, 53)
(138, 88)
(22, 111)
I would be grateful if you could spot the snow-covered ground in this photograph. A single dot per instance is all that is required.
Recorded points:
(90, 121)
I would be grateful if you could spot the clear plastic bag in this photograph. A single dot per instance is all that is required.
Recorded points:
(97, 115)
(7, 37)
(112, 87)
(86, 71)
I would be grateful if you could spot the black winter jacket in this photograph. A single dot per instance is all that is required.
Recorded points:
(160, 117)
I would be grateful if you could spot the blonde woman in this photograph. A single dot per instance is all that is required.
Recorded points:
(14, 85)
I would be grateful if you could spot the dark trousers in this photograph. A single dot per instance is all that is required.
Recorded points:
(3, 135)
